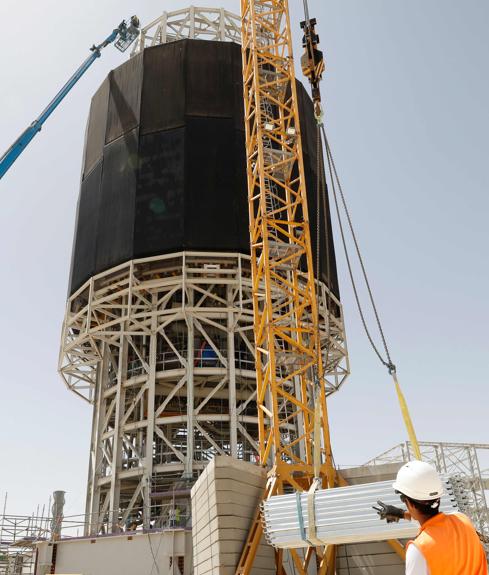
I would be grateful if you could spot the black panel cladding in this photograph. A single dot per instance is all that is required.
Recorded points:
(97, 120)
(124, 99)
(209, 91)
(85, 246)
(163, 97)
(309, 146)
(172, 173)
(116, 215)
(159, 217)
(212, 215)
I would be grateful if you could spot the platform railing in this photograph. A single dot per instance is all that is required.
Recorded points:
(168, 360)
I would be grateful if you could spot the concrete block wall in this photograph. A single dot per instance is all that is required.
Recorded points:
(376, 558)
(370, 473)
(368, 559)
(224, 502)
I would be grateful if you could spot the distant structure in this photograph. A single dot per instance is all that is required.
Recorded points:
(158, 329)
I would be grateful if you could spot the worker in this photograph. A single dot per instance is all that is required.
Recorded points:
(445, 544)
(206, 356)
(130, 523)
(172, 516)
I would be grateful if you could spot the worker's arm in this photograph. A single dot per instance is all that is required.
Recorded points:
(415, 562)
(391, 513)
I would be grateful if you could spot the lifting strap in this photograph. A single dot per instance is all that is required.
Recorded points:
(310, 537)
(407, 418)
(311, 514)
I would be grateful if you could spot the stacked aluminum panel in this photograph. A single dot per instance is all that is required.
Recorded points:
(342, 515)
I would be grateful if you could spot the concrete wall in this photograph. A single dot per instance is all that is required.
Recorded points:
(120, 555)
(224, 501)
(368, 559)
(370, 473)
(376, 558)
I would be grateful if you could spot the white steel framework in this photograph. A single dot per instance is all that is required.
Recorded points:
(455, 459)
(163, 348)
(195, 23)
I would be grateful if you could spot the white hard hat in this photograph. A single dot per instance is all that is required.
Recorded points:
(419, 480)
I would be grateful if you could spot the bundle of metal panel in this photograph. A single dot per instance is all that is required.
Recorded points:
(342, 515)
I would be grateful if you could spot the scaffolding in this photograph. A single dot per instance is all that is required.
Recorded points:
(18, 536)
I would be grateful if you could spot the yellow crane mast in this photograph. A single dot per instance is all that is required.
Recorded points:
(291, 395)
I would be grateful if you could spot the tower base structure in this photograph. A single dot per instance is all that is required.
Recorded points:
(163, 349)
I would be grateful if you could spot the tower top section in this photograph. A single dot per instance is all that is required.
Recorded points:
(194, 23)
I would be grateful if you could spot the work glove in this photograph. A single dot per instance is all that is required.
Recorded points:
(389, 512)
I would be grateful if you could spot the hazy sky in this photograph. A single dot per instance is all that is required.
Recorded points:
(407, 92)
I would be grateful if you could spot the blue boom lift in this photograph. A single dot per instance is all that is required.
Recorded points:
(123, 36)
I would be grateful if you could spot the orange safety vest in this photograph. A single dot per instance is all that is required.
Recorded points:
(451, 546)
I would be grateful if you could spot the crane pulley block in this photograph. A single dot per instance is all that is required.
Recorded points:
(312, 61)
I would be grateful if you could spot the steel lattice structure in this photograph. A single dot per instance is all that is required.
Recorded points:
(194, 23)
(454, 459)
(289, 355)
(163, 348)
(285, 327)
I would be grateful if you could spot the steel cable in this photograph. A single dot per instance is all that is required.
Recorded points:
(387, 361)
(321, 201)
(334, 186)
(306, 10)
(335, 183)
(318, 243)
(334, 176)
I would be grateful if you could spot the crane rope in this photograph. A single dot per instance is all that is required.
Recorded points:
(321, 190)
(306, 9)
(321, 202)
(337, 187)
(313, 69)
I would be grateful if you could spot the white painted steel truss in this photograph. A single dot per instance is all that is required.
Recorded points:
(462, 459)
(195, 23)
(163, 347)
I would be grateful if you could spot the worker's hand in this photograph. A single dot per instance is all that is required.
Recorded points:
(389, 512)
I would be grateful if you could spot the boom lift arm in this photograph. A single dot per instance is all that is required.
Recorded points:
(122, 36)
